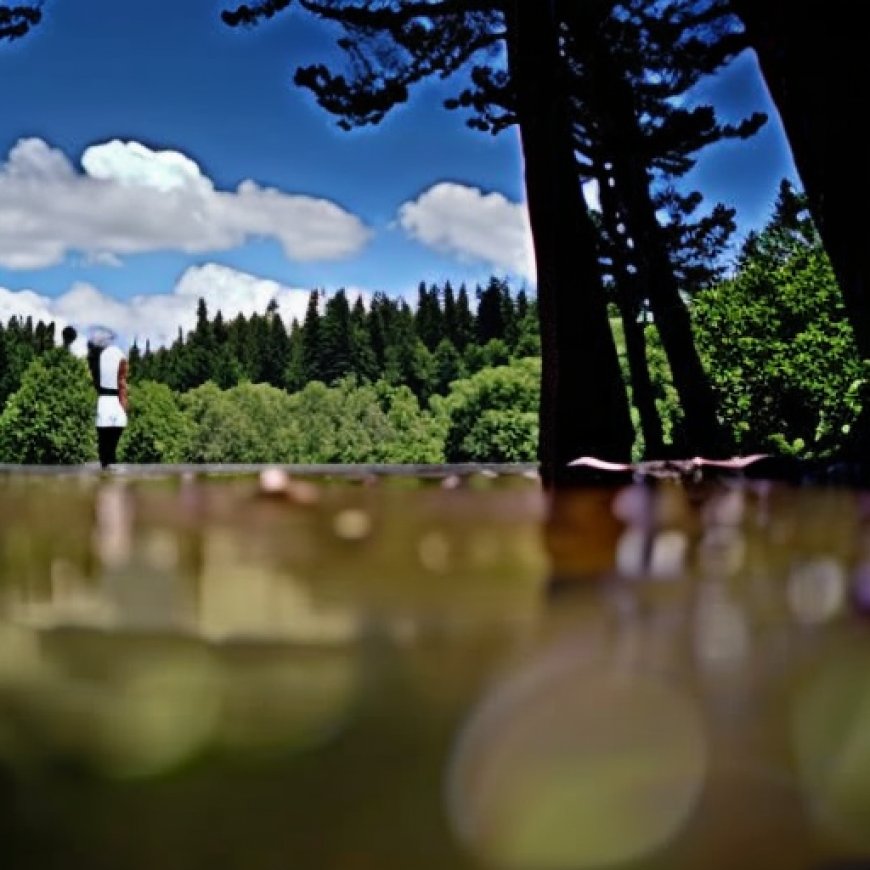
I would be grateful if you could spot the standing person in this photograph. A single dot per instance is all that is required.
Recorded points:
(108, 367)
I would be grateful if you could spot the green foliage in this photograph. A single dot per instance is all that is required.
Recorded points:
(157, 430)
(413, 435)
(379, 423)
(50, 418)
(778, 345)
(247, 423)
(17, 350)
(449, 366)
(243, 424)
(666, 397)
(528, 335)
(493, 415)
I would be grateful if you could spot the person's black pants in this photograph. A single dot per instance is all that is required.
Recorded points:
(107, 443)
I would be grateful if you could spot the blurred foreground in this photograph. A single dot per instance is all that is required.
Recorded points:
(379, 671)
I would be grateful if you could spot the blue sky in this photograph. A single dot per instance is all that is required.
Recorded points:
(150, 155)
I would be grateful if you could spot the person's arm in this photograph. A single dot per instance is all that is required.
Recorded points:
(122, 383)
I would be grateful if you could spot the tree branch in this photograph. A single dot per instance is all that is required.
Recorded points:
(16, 21)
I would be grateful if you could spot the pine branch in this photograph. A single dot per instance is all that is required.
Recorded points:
(17, 21)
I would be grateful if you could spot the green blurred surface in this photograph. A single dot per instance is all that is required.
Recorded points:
(434, 671)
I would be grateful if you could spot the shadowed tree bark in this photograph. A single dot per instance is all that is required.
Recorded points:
(584, 407)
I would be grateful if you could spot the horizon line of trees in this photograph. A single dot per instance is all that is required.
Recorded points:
(774, 334)
(443, 339)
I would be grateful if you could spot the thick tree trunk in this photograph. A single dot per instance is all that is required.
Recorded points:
(704, 434)
(813, 59)
(584, 407)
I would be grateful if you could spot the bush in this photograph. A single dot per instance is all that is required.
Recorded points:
(50, 418)
(493, 415)
(157, 430)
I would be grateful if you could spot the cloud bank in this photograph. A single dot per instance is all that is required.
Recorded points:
(130, 199)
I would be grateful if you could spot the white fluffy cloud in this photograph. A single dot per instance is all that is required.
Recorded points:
(157, 317)
(130, 199)
(472, 225)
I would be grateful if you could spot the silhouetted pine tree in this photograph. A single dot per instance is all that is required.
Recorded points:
(335, 338)
(489, 323)
(363, 361)
(277, 347)
(294, 373)
(312, 352)
(226, 370)
(449, 366)
(465, 325)
(429, 317)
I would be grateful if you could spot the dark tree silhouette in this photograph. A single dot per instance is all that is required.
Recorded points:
(17, 21)
(634, 135)
(812, 57)
(390, 47)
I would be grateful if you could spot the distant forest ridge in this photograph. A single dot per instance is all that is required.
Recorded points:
(448, 335)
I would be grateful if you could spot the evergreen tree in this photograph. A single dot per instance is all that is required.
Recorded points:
(364, 363)
(199, 350)
(490, 322)
(134, 361)
(381, 317)
(408, 360)
(294, 374)
(43, 337)
(226, 370)
(312, 352)
(449, 366)
(278, 348)
(19, 353)
(450, 318)
(465, 325)
(335, 338)
(242, 348)
(428, 321)
(258, 341)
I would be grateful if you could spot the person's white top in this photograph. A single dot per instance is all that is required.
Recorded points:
(109, 409)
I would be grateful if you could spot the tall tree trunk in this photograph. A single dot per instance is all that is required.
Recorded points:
(704, 434)
(642, 388)
(584, 407)
(628, 299)
(813, 59)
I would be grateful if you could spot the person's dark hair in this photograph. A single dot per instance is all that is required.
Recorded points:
(69, 335)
